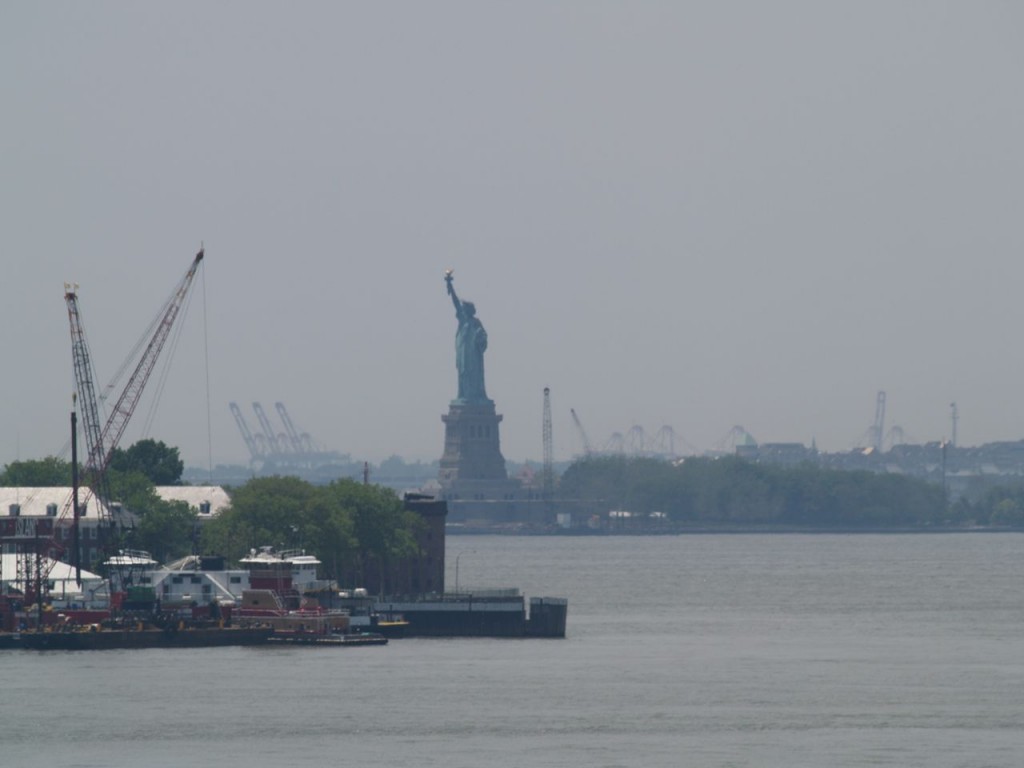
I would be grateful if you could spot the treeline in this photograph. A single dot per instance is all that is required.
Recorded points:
(348, 526)
(1001, 506)
(731, 491)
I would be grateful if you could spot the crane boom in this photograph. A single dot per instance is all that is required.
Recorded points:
(255, 449)
(587, 450)
(125, 405)
(289, 428)
(268, 430)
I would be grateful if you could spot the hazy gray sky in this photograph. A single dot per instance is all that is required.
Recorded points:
(698, 214)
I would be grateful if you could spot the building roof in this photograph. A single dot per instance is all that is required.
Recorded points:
(197, 496)
(34, 501)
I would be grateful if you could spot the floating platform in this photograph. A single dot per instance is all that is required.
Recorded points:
(479, 615)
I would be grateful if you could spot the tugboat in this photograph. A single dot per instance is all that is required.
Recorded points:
(282, 593)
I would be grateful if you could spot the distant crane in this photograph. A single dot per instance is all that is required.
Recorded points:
(878, 428)
(256, 449)
(955, 416)
(665, 440)
(616, 443)
(895, 436)
(636, 440)
(548, 476)
(735, 437)
(268, 430)
(302, 441)
(587, 449)
(290, 449)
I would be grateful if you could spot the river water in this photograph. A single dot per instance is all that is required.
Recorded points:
(700, 650)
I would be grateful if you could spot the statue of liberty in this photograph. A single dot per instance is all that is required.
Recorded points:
(470, 344)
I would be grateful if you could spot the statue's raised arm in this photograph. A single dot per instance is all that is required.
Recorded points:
(449, 275)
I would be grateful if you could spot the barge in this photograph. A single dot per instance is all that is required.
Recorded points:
(102, 639)
(490, 613)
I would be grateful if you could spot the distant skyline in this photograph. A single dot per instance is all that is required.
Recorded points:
(691, 214)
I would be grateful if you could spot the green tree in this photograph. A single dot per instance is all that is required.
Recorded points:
(156, 460)
(1002, 505)
(384, 530)
(133, 490)
(162, 528)
(166, 530)
(348, 526)
(266, 511)
(50, 472)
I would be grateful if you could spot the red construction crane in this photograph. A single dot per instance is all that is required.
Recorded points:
(38, 543)
(125, 405)
(103, 439)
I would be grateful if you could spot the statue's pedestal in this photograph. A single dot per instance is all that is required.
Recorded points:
(472, 449)
(473, 478)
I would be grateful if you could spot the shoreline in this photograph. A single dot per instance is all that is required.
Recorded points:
(717, 530)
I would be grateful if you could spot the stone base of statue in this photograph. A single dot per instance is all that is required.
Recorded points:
(473, 478)
(472, 448)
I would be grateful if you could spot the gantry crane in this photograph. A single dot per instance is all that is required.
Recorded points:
(636, 439)
(256, 449)
(665, 439)
(268, 430)
(301, 443)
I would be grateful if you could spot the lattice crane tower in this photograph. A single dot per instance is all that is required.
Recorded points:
(548, 476)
